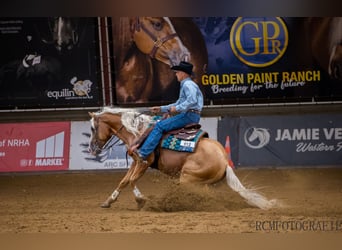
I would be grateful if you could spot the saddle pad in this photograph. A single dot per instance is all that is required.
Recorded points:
(173, 143)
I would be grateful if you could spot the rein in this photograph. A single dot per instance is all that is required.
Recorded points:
(117, 132)
(158, 42)
(112, 140)
(109, 141)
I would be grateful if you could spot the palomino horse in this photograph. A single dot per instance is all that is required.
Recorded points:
(146, 47)
(207, 165)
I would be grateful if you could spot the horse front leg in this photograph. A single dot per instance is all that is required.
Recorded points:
(123, 183)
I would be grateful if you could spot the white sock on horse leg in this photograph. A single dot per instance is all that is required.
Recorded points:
(115, 194)
(137, 192)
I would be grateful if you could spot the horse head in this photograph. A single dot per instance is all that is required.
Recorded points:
(102, 129)
(157, 37)
(64, 34)
(125, 125)
(143, 68)
(326, 44)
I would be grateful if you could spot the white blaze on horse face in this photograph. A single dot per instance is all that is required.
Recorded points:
(59, 33)
(177, 55)
(64, 37)
(92, 125)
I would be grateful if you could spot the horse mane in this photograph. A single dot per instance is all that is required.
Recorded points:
(134, 121)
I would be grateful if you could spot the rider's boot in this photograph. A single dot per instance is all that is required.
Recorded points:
(139, 158)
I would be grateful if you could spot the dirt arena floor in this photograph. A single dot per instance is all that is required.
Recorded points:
(70, 203)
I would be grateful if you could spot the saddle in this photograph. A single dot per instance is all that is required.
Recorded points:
(187, 133)
(184, 139)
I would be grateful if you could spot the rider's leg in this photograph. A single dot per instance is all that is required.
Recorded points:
(174, 122)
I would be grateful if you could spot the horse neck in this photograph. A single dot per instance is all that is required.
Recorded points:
(122, 29)
(121, 132)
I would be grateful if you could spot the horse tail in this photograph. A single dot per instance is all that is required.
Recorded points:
(252, 197)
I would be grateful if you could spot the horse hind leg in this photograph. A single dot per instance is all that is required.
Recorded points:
(139, 198)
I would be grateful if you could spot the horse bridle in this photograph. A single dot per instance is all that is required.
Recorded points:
(158, 42)
(96, 143)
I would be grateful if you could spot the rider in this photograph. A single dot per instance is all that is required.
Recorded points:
(187, 110)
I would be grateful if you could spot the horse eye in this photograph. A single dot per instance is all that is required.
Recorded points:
(157, 26)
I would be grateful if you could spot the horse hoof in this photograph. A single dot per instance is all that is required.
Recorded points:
(105, 205)
(140, 202)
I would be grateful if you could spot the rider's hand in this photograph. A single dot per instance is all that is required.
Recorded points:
(155, 109)
(173, 109)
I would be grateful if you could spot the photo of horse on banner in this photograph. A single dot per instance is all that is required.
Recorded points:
(44, 54)
(320, 44)
(64, 34)
(206, 163)
(145, 48)
(325, 35)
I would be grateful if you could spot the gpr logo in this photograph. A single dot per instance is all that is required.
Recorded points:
(256, 137)
(259, 41)
(49, 152)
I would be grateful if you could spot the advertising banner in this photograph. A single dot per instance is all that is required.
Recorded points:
(34, 146)
(228, 130)
(288, 140)
(236, 59)
(49, 62)
(209, 124)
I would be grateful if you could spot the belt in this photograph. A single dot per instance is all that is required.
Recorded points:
(194, 111)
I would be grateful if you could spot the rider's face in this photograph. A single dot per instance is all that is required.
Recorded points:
(180, 75)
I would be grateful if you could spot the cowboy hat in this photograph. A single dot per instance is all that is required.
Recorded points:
(184, 66)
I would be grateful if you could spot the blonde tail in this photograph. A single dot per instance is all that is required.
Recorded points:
(252, 197)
